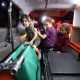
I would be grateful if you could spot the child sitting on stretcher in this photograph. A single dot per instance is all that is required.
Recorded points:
(31, 34)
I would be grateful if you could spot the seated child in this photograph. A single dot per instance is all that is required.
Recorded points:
(50, 35)
(31, 34)
(62, 38)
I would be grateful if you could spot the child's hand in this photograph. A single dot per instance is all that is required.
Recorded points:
(35, 29)
(38, 32)
(31, 42)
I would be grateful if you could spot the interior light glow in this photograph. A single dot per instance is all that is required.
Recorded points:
(44, 18)
(75, 1)
(3, 4)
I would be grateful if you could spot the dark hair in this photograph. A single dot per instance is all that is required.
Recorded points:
(24, 16)
(66, 27)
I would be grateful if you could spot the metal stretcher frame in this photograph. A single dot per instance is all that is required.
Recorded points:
(30, 66)
(47, 72)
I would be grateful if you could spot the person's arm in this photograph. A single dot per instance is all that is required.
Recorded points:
(42, 36)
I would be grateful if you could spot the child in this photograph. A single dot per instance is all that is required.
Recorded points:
(31, 34)
(50, 35)
(63, 38)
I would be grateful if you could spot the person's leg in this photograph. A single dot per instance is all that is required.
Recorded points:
(38, 51)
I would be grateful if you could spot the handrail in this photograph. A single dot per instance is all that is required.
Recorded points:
(75, 46)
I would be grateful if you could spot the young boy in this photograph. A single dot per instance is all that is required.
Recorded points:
(50, 35)
(31, 34)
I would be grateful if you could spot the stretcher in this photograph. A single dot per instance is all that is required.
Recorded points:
(23, 64)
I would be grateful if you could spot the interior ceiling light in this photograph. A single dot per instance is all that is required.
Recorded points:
(43, 18)
(3, 4)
